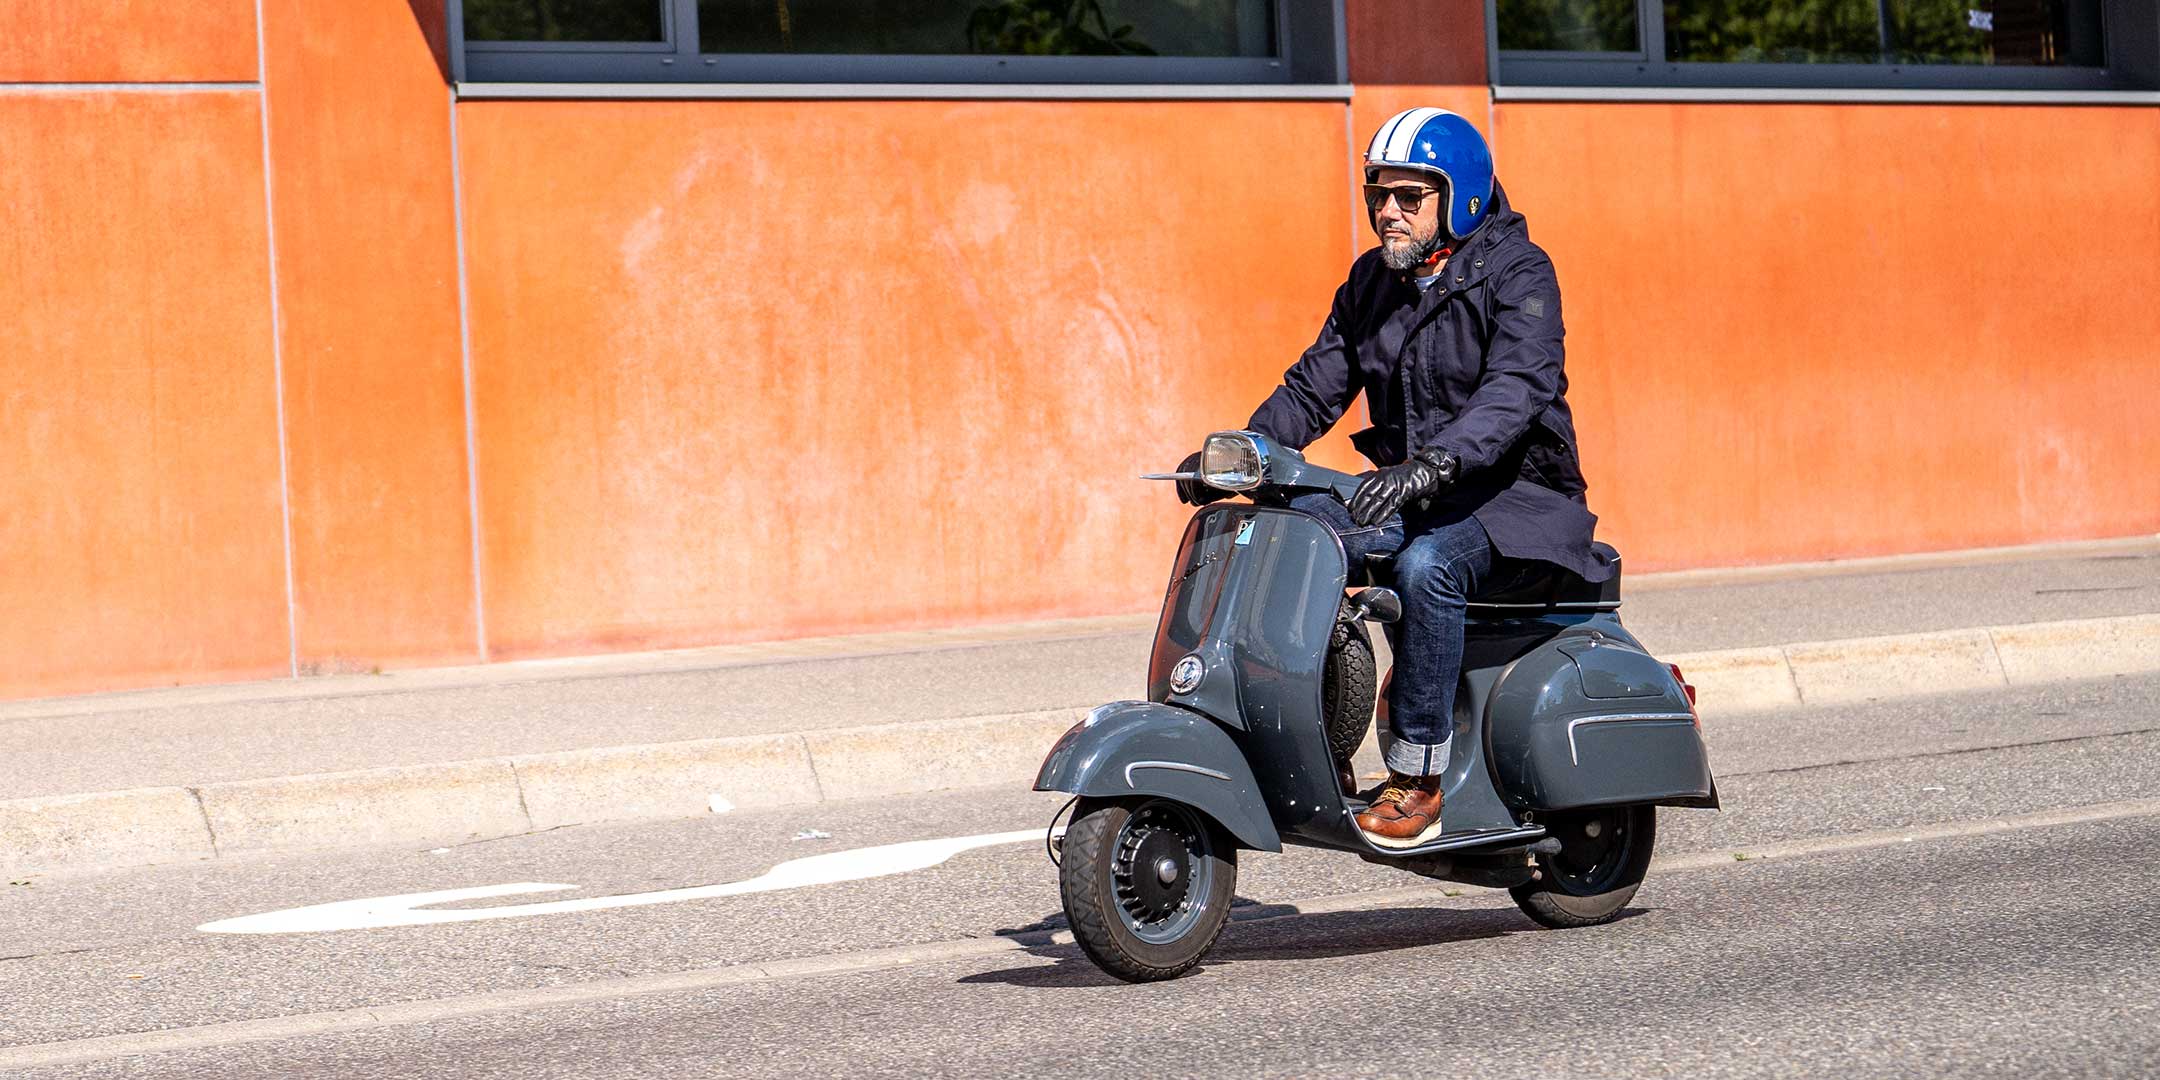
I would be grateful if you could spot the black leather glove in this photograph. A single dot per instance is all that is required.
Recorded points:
(1194, 492)
(1381, 493)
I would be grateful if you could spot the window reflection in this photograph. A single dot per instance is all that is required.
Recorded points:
(1568, 25)
(1994, 32)
(564, 20)
(2022, 32)
(1003, 27)
(1772, 31)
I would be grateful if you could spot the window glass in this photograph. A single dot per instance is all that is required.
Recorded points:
(1773, 31)
(2026, 32)
(1016, 27)
(1568, 25)
(563, 20)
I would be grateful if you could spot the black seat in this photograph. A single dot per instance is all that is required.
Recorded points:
(1558, 590)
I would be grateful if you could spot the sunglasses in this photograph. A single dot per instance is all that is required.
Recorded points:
(1408, 197)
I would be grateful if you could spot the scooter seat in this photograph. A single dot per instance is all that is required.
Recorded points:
(1557, 590)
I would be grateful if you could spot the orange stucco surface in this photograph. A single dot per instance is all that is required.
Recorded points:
(748, 370)
(127, 41)
(140, 525)
(1816, 331)
(374, 382)
(733, 380)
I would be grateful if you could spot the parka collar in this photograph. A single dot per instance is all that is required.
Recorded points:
(1474, 258)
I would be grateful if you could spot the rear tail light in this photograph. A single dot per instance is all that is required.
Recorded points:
(1689, 689)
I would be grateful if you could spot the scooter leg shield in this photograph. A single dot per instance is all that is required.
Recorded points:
(1147, 748)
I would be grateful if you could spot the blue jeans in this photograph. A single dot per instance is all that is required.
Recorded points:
(1439, 566)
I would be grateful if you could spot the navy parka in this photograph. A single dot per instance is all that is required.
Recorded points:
(1472, 365)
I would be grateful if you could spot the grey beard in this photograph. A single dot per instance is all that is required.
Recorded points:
(1407, 257)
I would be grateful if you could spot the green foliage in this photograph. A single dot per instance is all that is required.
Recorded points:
(1773, 31)
(1050, 28)
(1568, 25)
(1940, 31)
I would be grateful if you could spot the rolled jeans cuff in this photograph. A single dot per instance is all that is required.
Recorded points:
(1414, 759)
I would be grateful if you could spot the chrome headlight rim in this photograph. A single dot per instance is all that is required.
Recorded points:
(1250, 461)
(1187, 674)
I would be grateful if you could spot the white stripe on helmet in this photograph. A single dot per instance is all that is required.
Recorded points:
(1405, 133)
(1380, 137)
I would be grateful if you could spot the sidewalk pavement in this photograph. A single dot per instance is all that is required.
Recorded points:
(451, 754)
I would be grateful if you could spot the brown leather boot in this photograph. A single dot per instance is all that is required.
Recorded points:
(1405, 814)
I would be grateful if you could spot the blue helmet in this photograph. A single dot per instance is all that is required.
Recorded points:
(1445, 145)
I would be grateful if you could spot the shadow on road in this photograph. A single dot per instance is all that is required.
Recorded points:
(1282, 934)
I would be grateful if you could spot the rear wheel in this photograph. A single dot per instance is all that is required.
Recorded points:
(1604, 853)
(1146, 884)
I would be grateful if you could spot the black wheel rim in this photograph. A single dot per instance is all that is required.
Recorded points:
(1594, 848)
(1162, 870)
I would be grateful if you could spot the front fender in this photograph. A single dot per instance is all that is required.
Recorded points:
(1147, 748)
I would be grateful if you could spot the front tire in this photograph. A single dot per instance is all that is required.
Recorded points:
(1604, 854)
(1146, 884)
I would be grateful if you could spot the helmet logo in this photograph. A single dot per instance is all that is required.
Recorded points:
(1473, 204)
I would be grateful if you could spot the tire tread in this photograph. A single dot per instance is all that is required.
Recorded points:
(1095, 826)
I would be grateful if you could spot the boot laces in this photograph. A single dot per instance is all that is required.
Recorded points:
(1398, 789)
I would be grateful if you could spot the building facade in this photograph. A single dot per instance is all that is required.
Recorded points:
(342, 336)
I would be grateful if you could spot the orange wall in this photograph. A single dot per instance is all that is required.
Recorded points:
(127, 41)
(368, 291)
(1816, 331)
(140, 523)
(760, 369)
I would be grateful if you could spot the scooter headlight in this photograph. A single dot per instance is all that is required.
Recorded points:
(1186, 674)
(1231, 460)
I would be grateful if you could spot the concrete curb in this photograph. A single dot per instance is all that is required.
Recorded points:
(457, 801)
(1736, 681)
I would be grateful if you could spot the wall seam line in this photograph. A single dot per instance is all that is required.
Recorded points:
(1357, 174)
(277, 350)
(465, 360)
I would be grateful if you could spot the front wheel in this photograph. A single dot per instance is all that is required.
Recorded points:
(1604, 853)
(1146, 884)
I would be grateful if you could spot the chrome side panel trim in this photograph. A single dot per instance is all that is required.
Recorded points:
(1177, 766)
(1617, 718)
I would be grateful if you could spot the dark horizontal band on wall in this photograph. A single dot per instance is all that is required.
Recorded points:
(1824, 95)
(908, 91)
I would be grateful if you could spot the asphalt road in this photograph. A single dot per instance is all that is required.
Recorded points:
(1941, 887)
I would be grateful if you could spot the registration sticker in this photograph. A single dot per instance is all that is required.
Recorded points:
(1244, 532)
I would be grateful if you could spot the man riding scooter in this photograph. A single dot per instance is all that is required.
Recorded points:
(1451, 328)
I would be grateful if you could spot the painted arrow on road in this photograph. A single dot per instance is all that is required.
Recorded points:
(420, 909)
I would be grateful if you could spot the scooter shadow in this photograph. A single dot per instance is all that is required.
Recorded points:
(1283, 934)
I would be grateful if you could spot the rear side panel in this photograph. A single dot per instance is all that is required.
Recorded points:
(1590, 720)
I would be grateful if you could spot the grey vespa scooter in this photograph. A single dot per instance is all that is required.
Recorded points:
(1568, 734)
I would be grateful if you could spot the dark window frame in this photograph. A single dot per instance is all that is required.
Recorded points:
(2130, 36)
(1309, 50)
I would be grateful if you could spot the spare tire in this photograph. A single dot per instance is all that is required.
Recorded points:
(1347, 688)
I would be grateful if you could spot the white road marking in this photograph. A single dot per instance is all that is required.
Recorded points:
(380, 1017)
(419, 909)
